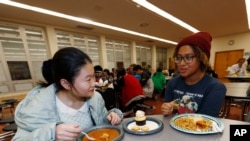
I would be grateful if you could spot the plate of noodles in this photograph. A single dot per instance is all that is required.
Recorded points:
(197, 124)
(105, 133)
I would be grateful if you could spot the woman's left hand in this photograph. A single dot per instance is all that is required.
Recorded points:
(114, 118)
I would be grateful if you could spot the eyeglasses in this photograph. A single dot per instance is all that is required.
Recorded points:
(187, 59)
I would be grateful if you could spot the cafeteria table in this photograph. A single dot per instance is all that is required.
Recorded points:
(11, 104)
(171, 134)
(236, 91)
(238, 78)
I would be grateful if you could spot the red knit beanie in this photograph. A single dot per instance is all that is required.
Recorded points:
(200, 39)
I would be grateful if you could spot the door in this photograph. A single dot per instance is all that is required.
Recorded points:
(225, 59)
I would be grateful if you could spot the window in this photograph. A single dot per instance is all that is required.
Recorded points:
(22, 48)
(87, 43)
(143, 55)
(118, 52)
(161, 58)
(19, 70)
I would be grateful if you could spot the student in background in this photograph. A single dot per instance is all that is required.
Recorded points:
(193, 91)
(131, 89)
(107, 76)
(147, 69)
(98, 72)
(66, 107)
(141, 75)
(159, 81)
(239, 68)
(211, 72)
(145, 81)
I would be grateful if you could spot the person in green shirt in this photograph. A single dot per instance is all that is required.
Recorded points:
(159, 81)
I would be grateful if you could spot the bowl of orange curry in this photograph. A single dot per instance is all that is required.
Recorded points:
(105, 133)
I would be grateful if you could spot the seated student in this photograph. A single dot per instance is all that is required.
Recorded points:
(141, 75)
(159, 81)
(147, 69)
(239, 68)
(145, 80)
(131, 89)
(193, 91)
(67, 107)
(211, 72)
(98, 73)
(107, 76)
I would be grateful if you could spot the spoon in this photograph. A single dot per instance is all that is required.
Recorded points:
(89, 138)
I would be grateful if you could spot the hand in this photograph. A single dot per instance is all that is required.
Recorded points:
(167, 108)
(114, 118)
(67, 132)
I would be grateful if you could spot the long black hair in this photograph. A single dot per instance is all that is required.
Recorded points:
(47, 73)
(66, 64)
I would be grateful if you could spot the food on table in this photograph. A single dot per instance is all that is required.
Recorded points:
(140, 128)
(140, 118)
(194, 123)
(105, 134)
(145, 128)
(135, 128)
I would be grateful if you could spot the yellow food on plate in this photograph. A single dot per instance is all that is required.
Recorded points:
(135, 128)
(140, 128)
(194, 123)
(145, 128)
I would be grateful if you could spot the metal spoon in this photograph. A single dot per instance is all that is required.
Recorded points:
(90, 138)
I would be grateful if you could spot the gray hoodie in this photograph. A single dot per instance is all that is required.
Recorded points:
(36, 116)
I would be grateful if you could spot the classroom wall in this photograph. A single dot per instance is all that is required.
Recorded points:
(241, 41)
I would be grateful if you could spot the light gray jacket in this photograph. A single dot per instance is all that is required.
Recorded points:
(36, 116)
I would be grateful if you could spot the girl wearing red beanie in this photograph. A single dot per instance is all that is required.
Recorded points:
(193, 91)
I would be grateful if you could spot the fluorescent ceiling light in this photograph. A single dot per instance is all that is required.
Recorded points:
(82, 20)
(247, 2)
(164, 14)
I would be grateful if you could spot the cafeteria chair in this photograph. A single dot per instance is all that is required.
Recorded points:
(10, 127)
(248, 117)
(137, 103)
(109, 98)
(6, 135)
(10, 103)
(245, 110)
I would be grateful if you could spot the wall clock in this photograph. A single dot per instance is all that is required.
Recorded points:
(230, 42)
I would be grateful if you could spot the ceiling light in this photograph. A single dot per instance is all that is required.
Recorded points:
(164, 14)
(82, 20)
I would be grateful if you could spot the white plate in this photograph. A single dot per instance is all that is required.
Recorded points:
(206, 117)
(154, 125)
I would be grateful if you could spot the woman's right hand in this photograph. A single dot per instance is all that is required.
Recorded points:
(67, 132)
(167, 108)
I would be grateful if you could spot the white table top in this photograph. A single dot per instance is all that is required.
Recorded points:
(235, 77)
(170, 134)
(238, 78)
(237, 89)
